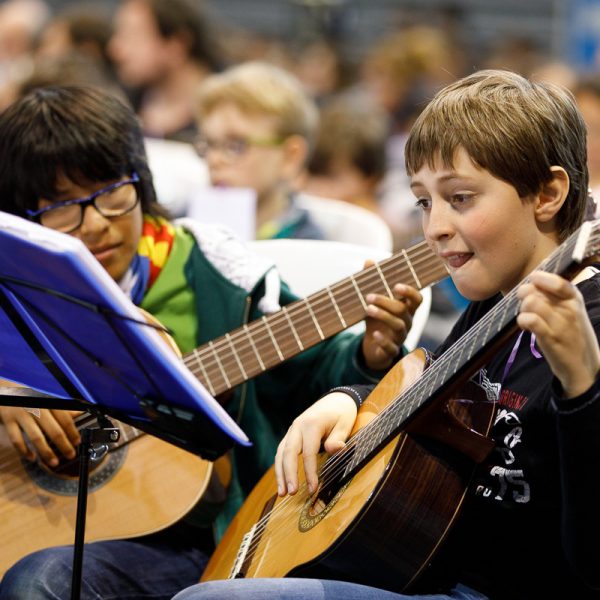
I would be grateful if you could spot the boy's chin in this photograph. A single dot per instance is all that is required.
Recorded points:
(474, 294)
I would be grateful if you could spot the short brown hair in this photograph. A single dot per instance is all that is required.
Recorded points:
(514, 128)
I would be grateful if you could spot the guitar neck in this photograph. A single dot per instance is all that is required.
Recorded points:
(469, 352)
(265, 343)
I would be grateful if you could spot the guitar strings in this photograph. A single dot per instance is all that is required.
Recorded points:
(368, 272)
(224, 343)
(245, 352)
(325, 297)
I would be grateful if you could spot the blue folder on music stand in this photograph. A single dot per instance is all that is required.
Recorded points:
(67, 329)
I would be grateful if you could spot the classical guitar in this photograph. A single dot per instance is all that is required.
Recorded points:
(386, 502)
(144, 484)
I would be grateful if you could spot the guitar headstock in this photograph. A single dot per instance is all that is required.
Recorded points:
(587, 244)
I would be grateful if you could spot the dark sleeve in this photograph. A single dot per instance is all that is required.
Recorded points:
(578, 434)
(357, 392)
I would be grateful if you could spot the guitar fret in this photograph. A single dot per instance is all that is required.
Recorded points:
(409, 264)
(256, 352)
(294, 332)
(360, 296)
(383, 279)
(216, 355)
(207, 379)
(312, 314)
(277, 349)
(237, 358)
(337, 309)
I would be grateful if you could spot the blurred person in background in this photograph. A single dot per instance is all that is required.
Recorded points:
(256, 129)
(322, 69)
(163, 50)
(20, 23)
(587, 94)
(399, 75)
(78, 30)
(349, 159)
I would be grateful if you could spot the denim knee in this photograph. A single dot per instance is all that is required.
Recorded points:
(43, 575)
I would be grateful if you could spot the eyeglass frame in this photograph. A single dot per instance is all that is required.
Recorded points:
(244, 145)
(36, 215)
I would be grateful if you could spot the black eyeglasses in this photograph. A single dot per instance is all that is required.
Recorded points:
(114, 200)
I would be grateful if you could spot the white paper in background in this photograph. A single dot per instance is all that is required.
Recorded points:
(233, 207)
(177, 172)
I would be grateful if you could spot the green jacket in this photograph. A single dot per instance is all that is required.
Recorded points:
(230, 287)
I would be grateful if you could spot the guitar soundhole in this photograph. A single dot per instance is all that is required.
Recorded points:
(63, 479)
(318, 505)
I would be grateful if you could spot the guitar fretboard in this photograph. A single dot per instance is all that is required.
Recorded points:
(462, 354)
(249, 350)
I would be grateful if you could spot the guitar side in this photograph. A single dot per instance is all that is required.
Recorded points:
(150, 486)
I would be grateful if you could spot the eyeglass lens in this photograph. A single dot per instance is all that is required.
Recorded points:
(113, 203)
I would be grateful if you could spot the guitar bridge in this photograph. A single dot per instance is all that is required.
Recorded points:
(250, 541)
(240, 559)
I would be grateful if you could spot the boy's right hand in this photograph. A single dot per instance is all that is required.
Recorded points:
(55, 425)
(328, 421)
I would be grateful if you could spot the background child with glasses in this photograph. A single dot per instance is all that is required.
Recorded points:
(78, 153)
(257, 126)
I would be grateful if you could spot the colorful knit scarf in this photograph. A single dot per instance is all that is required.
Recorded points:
(153, 251)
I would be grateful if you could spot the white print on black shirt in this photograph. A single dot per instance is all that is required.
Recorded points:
(492, 390)
(512, 438)
(510, 480)
(507, 484)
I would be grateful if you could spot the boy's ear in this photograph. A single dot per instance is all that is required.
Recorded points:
(295, 151)
(553, 195)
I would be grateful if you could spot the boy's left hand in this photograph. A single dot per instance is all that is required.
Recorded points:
(553, 309)
(388, 322)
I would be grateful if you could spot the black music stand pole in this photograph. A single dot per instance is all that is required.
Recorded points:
(93, 444)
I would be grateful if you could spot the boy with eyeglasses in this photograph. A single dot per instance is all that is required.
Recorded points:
(257, 126)
(72, 158)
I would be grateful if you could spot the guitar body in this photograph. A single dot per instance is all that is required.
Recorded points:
(382, 527)
(141, 487)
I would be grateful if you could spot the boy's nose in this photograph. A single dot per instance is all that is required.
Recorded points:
(93, 222)
(438, 221)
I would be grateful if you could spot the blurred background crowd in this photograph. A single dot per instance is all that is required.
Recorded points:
(367, 67)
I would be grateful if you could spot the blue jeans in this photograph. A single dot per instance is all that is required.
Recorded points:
(307, 589)
(153, 567)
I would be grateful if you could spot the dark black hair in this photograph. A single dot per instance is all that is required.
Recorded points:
(84, 133)
(190, 19)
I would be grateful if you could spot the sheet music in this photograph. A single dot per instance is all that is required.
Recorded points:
(141, 364)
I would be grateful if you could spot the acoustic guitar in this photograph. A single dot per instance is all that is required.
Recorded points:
(386, 502)
(144, 484)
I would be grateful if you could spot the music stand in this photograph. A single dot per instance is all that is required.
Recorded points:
(53, 294)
